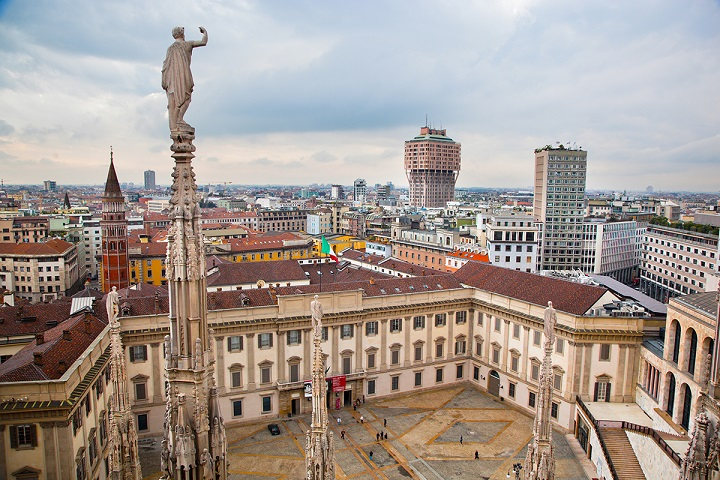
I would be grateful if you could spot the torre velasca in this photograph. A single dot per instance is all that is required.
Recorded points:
(432, 165)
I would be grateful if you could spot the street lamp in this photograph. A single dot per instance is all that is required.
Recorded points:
(516, 470)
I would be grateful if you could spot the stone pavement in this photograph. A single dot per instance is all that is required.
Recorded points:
(423, 443)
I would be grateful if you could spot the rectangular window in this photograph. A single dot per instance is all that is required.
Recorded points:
(511, 389)
(418, 353)
(235, 343)
(516, 330)
(498, 324)
(142, 421)
(395, 325)
(371, 387)
(605, 352)
(138, 353)
(460, 317)
(395, 357)
(237, 408)
(265, 340)
(438, 350)
(346, 331)
(418, 379)
(267, 404)
(371, 328)
(554, 410)
(371, 360)
(293, 337)
(419, 322)
(440, 319)
(236, 378)
(395, 382)
(438, 375)
(265, 375)
(459, 373)
(537, 335)
(140, 391)
(531, 399)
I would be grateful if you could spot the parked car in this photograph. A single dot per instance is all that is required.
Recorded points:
(274, 429)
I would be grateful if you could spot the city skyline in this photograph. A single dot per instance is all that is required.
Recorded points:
(303, 97)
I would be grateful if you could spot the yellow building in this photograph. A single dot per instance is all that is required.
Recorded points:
(338, 243)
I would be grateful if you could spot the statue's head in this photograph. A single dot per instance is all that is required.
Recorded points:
(178, 32)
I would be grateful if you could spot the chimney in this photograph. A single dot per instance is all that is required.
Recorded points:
(66, 335)
(37, 359)
(39, 338)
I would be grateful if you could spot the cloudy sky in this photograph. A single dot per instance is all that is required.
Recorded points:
(301, 92)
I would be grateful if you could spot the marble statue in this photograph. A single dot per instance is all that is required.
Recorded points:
(177, 80)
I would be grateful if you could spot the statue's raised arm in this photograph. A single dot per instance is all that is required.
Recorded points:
(177, 80)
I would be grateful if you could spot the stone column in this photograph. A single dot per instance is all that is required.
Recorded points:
(334, 339)
(451, 339)
(251, 361)
(359, 346)
(430, 350)
(506, 342)
(408, 347)
(281, 370)
(157, 375)
(383, 344)
(220, 363)
(525, 359)
(307, 360)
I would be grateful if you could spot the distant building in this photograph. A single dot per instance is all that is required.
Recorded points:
(559, 204)
(359, 190)
(336, 192)
(49, 185)
(114, 235)
(149, 179)
(512, 241)
(432, 165)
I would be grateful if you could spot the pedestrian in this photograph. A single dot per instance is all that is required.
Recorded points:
(362, 419)
(370, 454)
(384, 422)
(460, 439)
(477, 455)
(339, 420)
(385, 435)
(377, 437)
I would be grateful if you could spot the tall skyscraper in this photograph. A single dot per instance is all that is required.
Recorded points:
(560, 175)
(149, 179)
(432, 165)
(114, 227)
(359, 190)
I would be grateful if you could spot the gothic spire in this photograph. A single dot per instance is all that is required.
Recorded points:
(319, 450)
(540, 459)
(124, 461)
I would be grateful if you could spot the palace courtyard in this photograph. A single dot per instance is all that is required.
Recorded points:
(423, 441)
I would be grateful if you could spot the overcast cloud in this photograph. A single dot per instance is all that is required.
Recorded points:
(324, 91)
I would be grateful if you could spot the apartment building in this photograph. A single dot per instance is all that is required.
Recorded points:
(676, 262)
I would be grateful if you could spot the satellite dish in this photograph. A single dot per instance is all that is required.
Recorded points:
(260, 283)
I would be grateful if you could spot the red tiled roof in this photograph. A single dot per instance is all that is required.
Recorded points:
(566, 296)
(251, 272)
(83, 328)
(53, 246)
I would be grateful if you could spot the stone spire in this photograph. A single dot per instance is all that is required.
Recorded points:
(319, 450)
(194, 445)
(540, 459)
(124, 462)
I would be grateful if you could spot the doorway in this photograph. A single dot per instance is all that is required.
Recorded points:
(494, 383)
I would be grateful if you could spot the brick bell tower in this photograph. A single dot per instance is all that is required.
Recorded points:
(115, 271)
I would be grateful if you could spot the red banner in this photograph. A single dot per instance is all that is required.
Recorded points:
(338, 383)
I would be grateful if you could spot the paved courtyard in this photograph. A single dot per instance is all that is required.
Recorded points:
(423, 441)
